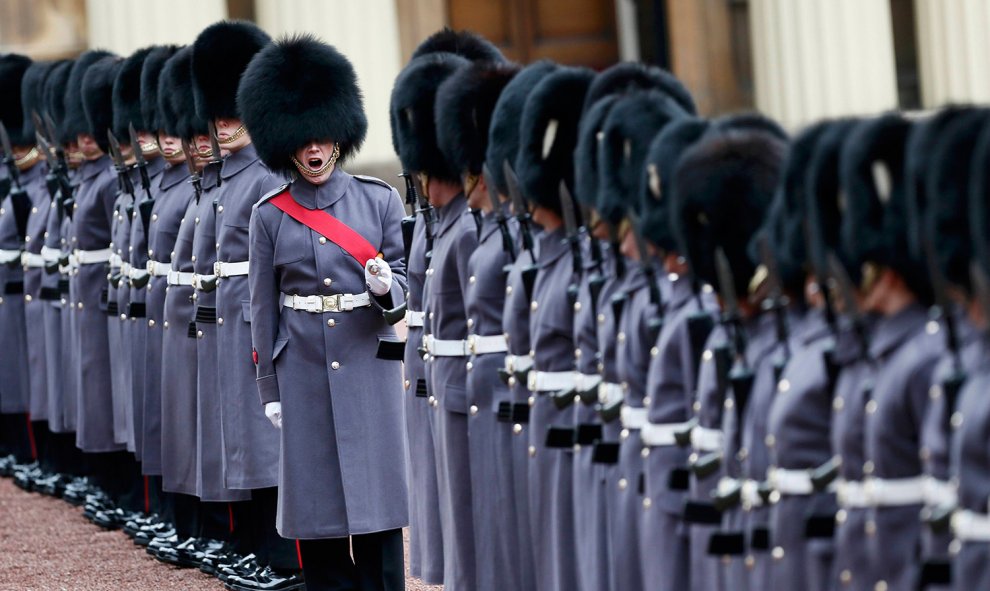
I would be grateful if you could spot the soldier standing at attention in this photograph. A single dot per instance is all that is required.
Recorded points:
(326, 259)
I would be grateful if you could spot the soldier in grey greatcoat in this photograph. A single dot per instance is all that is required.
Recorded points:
(464, 105)
(905, 344)
(309, 286)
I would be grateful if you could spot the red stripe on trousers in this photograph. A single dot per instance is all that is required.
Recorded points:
(34, 447)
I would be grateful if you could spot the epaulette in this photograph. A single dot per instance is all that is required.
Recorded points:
(272, 193)
(374, 180)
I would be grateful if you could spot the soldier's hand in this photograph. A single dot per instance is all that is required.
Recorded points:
(273, 410)
(378, 276)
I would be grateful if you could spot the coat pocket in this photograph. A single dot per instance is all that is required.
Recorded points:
(246, 310)
(280, 344)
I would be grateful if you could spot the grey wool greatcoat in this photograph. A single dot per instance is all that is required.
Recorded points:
(90, 231)
(209, 431)
(490, 446)
(515, 324)
(180, 409)
(342, 462)
(425, 536)
(970, 464)
(52, 319)
(15, 387)
(68, 324)
(670, 383)
(137, 316)
(117, 298)
(34, 313)
(172, 199)
(551, 333)
(444, 295)
(250, 445)
(798, 429)
(906, 350)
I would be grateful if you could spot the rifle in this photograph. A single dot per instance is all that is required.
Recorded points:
(215, 154)
(500, 219)
(145, 206)
(8, 157)
(740, 377)
(522, 215)
(19, 199)
(67, 191)
(776, 302)
(655, 323)
(194, 175)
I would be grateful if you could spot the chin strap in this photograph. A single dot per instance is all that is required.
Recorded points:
(307, 171)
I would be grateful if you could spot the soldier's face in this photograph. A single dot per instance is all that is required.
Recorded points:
(231, 134)
(171, 148)
(149, 144)
(88, 147)
(316, 161)
(203, 149)
(477, 193)
(73, 154)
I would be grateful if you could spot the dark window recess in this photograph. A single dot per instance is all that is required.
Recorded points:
(906, 54)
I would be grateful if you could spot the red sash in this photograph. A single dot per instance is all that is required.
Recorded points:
(328, 226)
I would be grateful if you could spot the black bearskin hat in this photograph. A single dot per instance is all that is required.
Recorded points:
(127, 96)
(32, 96)
(75, 122)
(655, 190)
(503, 134)
(630, 127)
(298, 90)
(946, 222)
(722, 188)
(466, 44)
(220, 54)
(548, 135)
(586, 165)
(626, 77)
(150, 74)
(97, 99)
(412, 111)
(875, 224)
(464, 106)
(979, 200)
(56, 85)
(178, 104)
(12, 69)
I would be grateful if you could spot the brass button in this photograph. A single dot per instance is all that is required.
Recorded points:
(532, 451)
(777, 553)
(27, 298)
(784, 385)
(846, 576)
(199, 334)
(151, 323)
(601, 319)
(880, 586)
(154, 217)
(728, 404)
(770, 440)
(654, 351)
(322, 240)
(622, 337)
(197, 219)
(868, 467)
(472, 279)
(406, 384)
(327, 282)
(516, 429)
(935, 391)
(838, 403)
(871, 407)
(623, 484)
(331, 323)
(870, 528)
(577, 306)
(644, 453)
(931, 327)
(707, 355)
(473, 410)
(508, 290)
(335, 365)
(165, 324)
(469, 366)
(647, 502)
(219, 209)
(534, 305)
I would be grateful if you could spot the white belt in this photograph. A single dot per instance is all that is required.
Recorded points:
(138, 272)
(610, 394)
(515, 363)
(125, 269)
(92, 257)
(445, 347)
(9, 256)
(480, 345)
(114, 260)
(587, 381)
(895, 492)
(939, 493)
(157, 269)
(222, 269)
(749, 491)
(790, 482)
(178, 278)
(415, 319)
(662, 434)
(197, 280)
(851, 494)
(32, 261)
(705, 439)
(550, 381)
(50, 254)
(340, 302)
(633, 418)
(970, 526)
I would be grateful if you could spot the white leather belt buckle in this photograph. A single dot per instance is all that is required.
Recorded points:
(851, 494)
(32, 261)
(939, 493)
(970, 526)
(610, 394)
(661, 434)
(705, 439)
(222, 269)
(445, 347)
(481, 345)
(790, 482)
(157, 269)
(93, 257)
(633, 418)
(895, 492)
(518, 363)
(180, 278)
(551, 381)
(414, 319)
(340, 302)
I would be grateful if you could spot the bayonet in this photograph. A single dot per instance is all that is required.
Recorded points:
(776, 302)
(572, 229)
(503, 225)
(519, 208)
(646, 260)
(123, 177)
(845, 290)
(740, 376)
(148, 203)
(8, 156)
(620, 261)
(414, 197)
(216, 157)
(194, 176)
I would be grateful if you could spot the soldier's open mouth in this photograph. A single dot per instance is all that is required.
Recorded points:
(315, 163)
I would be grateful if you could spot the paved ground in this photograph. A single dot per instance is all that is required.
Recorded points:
(47, 545)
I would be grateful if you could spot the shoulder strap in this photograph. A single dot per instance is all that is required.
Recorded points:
(328, 226)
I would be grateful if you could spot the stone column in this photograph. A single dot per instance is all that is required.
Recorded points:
(953, 50)
(822, 58)
(123, 26)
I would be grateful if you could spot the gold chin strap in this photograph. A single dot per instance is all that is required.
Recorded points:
(470, 183)
(323, 169)
(624, 227)
(870, 275)
(150, 147)
(168, 153)
(234, 136)
(424, 180)
(28, 159)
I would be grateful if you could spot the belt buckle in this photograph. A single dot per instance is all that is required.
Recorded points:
(331, 303)
(216, 268)
(471, 344)
(150, 267)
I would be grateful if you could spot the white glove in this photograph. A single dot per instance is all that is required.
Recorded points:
(273, 410)
(378, 276)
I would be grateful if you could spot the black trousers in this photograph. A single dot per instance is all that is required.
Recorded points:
(63, 455)
(271, 549)
(119, 475)
(376, 563)
(14, 436)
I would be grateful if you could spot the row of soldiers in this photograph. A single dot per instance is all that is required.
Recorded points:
(125, 332)
(651, 350)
